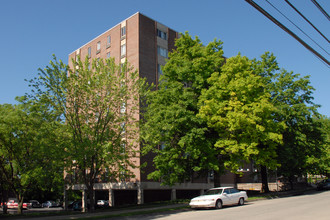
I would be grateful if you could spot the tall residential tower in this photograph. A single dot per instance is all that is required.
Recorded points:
(145, 44)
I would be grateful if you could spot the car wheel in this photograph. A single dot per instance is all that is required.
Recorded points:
(241, 201)
(218, 204)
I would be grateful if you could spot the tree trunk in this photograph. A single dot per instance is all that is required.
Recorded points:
(291, 178)
(217, 179)
(264, 180)
(91, 199)
(4, 208)
(20, 205)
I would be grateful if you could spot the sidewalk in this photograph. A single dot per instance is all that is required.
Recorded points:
(106, 214)
(144, 210)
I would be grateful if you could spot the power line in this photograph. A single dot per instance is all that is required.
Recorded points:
(296, 26)
(306, 19)
(321, 9)
(256, 6)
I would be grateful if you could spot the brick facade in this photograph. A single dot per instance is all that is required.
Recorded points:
(141, 52)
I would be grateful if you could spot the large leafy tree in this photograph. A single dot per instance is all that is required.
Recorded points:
(98, 101)
(302, 138)
(206, 115)
(321, 165)
(31, 150)
(292, 95)
(237, 105)
(181, 142)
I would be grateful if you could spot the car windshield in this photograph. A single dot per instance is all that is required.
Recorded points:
(213, 192)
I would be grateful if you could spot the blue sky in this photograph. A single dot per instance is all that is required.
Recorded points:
(33, 30)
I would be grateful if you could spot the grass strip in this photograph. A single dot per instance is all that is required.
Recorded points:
(135, 213)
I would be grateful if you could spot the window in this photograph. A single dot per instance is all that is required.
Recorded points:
(108, 55)
(123, 149)
(123, 50)
(89, 52)
(162, 34)
(159, 71)
(108, 41)
(123, 32)
(98, 47)
(77, 55)
(123, 127)
(123, 108)
(226, 191)
(162, 51)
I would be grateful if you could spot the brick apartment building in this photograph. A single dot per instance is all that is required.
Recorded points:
(144, 43)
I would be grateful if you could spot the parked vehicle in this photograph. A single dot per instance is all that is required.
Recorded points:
(77, 206)
(13, 204)
(102, 203)
(324, 184)
(217, 197)
(49, 204)
(35, 204)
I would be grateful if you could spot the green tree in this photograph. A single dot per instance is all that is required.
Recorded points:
(181, 142)
(207, 115)
(31, 146)
(302, 137)
(99, 102)
(292, 97)
(237, 105)
(321, 165)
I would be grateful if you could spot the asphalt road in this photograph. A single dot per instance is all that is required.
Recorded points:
(315, 206)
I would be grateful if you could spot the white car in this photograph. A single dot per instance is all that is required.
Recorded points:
(102, 203)
(217, 197)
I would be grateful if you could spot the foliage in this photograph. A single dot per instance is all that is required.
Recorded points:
(318, 154)
(207, 113)
(99, 103)
(31, 144)
(237, 105)
(324, 161)
(181, 141)
(302, 137)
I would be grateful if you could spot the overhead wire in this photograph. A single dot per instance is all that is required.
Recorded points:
(265, 13)
(287, 1)
(296, 26)
(321, 9)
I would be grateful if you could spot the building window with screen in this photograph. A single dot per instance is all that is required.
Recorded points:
(162, 34)
(159, 71)
(98, 47)
(123, 108)
(123, 50)
(108, 41)
(89, 52)
(123, 32)
(162, 51)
